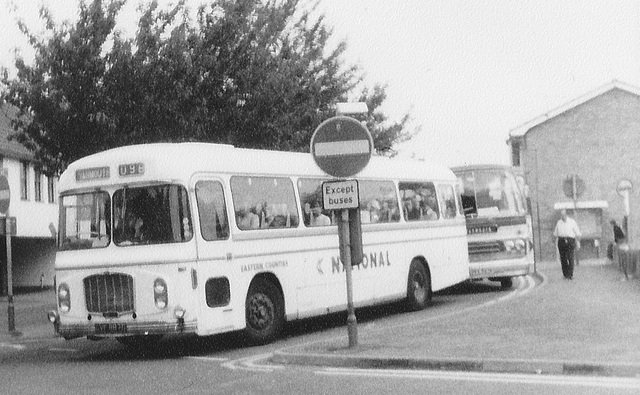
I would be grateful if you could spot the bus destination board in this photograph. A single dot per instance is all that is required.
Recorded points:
(92, 173)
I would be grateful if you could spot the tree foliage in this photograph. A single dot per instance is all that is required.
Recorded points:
(251, 73)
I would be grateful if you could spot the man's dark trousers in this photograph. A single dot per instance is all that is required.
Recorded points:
(566, 248)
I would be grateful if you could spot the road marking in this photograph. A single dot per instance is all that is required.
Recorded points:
(578, 381)
(11, 345)
(251, 363)
(214, 359)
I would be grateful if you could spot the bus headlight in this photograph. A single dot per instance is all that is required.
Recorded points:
(520, 244)
(52, 316)
(160, 295)
(509, 245)
(179, 312)
(64, 298)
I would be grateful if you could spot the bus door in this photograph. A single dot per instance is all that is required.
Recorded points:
(213, 272)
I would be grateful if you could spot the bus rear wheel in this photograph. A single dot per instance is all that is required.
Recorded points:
(418, 287)
(264, 312)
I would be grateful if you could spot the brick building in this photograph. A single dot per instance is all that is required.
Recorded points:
(33, 202)
(574, 157)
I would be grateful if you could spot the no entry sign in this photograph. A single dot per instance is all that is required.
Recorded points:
(341, 146)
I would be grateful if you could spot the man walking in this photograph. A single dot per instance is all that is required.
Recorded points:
(567, 235)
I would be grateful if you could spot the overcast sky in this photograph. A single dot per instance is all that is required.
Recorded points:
(468, 71)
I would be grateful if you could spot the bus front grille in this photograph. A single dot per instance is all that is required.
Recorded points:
(109, 293)
(491, 247)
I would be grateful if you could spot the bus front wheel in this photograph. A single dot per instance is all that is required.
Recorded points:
(418, 287)
(264, 312)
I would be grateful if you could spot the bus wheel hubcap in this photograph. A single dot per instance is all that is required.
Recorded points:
(260, 311)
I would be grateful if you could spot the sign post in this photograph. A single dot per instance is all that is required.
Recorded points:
(341, 146)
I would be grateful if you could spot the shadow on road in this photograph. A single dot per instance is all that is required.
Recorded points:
(178, 347)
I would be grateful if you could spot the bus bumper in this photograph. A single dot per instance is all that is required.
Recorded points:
(119, 329)
(499, 271)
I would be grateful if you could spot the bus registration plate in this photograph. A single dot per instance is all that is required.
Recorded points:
(110, 328)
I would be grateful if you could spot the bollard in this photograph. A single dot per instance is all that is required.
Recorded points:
(623, 256)
(632, 268)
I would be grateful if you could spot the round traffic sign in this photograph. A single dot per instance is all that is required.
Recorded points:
(341, 146)
(5, 194)
(623, 186)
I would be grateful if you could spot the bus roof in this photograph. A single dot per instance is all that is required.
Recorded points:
(178, 161)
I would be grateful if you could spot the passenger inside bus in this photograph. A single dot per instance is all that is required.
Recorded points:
(411, 209)
(429, 204)
(389, 212)
(374, 210)
(317, 217)
(275, 216)
(246, 219)
(129, 226)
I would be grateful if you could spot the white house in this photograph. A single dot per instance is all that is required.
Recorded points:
(34, 204)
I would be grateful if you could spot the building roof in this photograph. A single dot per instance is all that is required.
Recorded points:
(522, 129)
(10, 148)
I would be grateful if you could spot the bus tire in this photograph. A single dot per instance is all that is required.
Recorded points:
(264, 312)
(506, 282)
(418, 287)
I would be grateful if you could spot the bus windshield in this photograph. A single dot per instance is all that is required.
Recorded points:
(151, 215)
(142, 215)
(491, 193)
(85, 221)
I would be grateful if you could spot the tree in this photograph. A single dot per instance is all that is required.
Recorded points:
(250, 73)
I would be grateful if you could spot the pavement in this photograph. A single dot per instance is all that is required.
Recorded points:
(30, 316)
(586, 326)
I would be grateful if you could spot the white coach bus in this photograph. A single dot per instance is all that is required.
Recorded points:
(163, 239)
(498, 223)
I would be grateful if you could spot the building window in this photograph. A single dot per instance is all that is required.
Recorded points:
(24, 180)
(51, 189)
(515, 153)
(37, 184)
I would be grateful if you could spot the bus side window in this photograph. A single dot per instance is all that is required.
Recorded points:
(264, 202)
(419, 201)
(211, 210)
(448, 201)
(310, 190)
(459, 199)
(378, 202)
